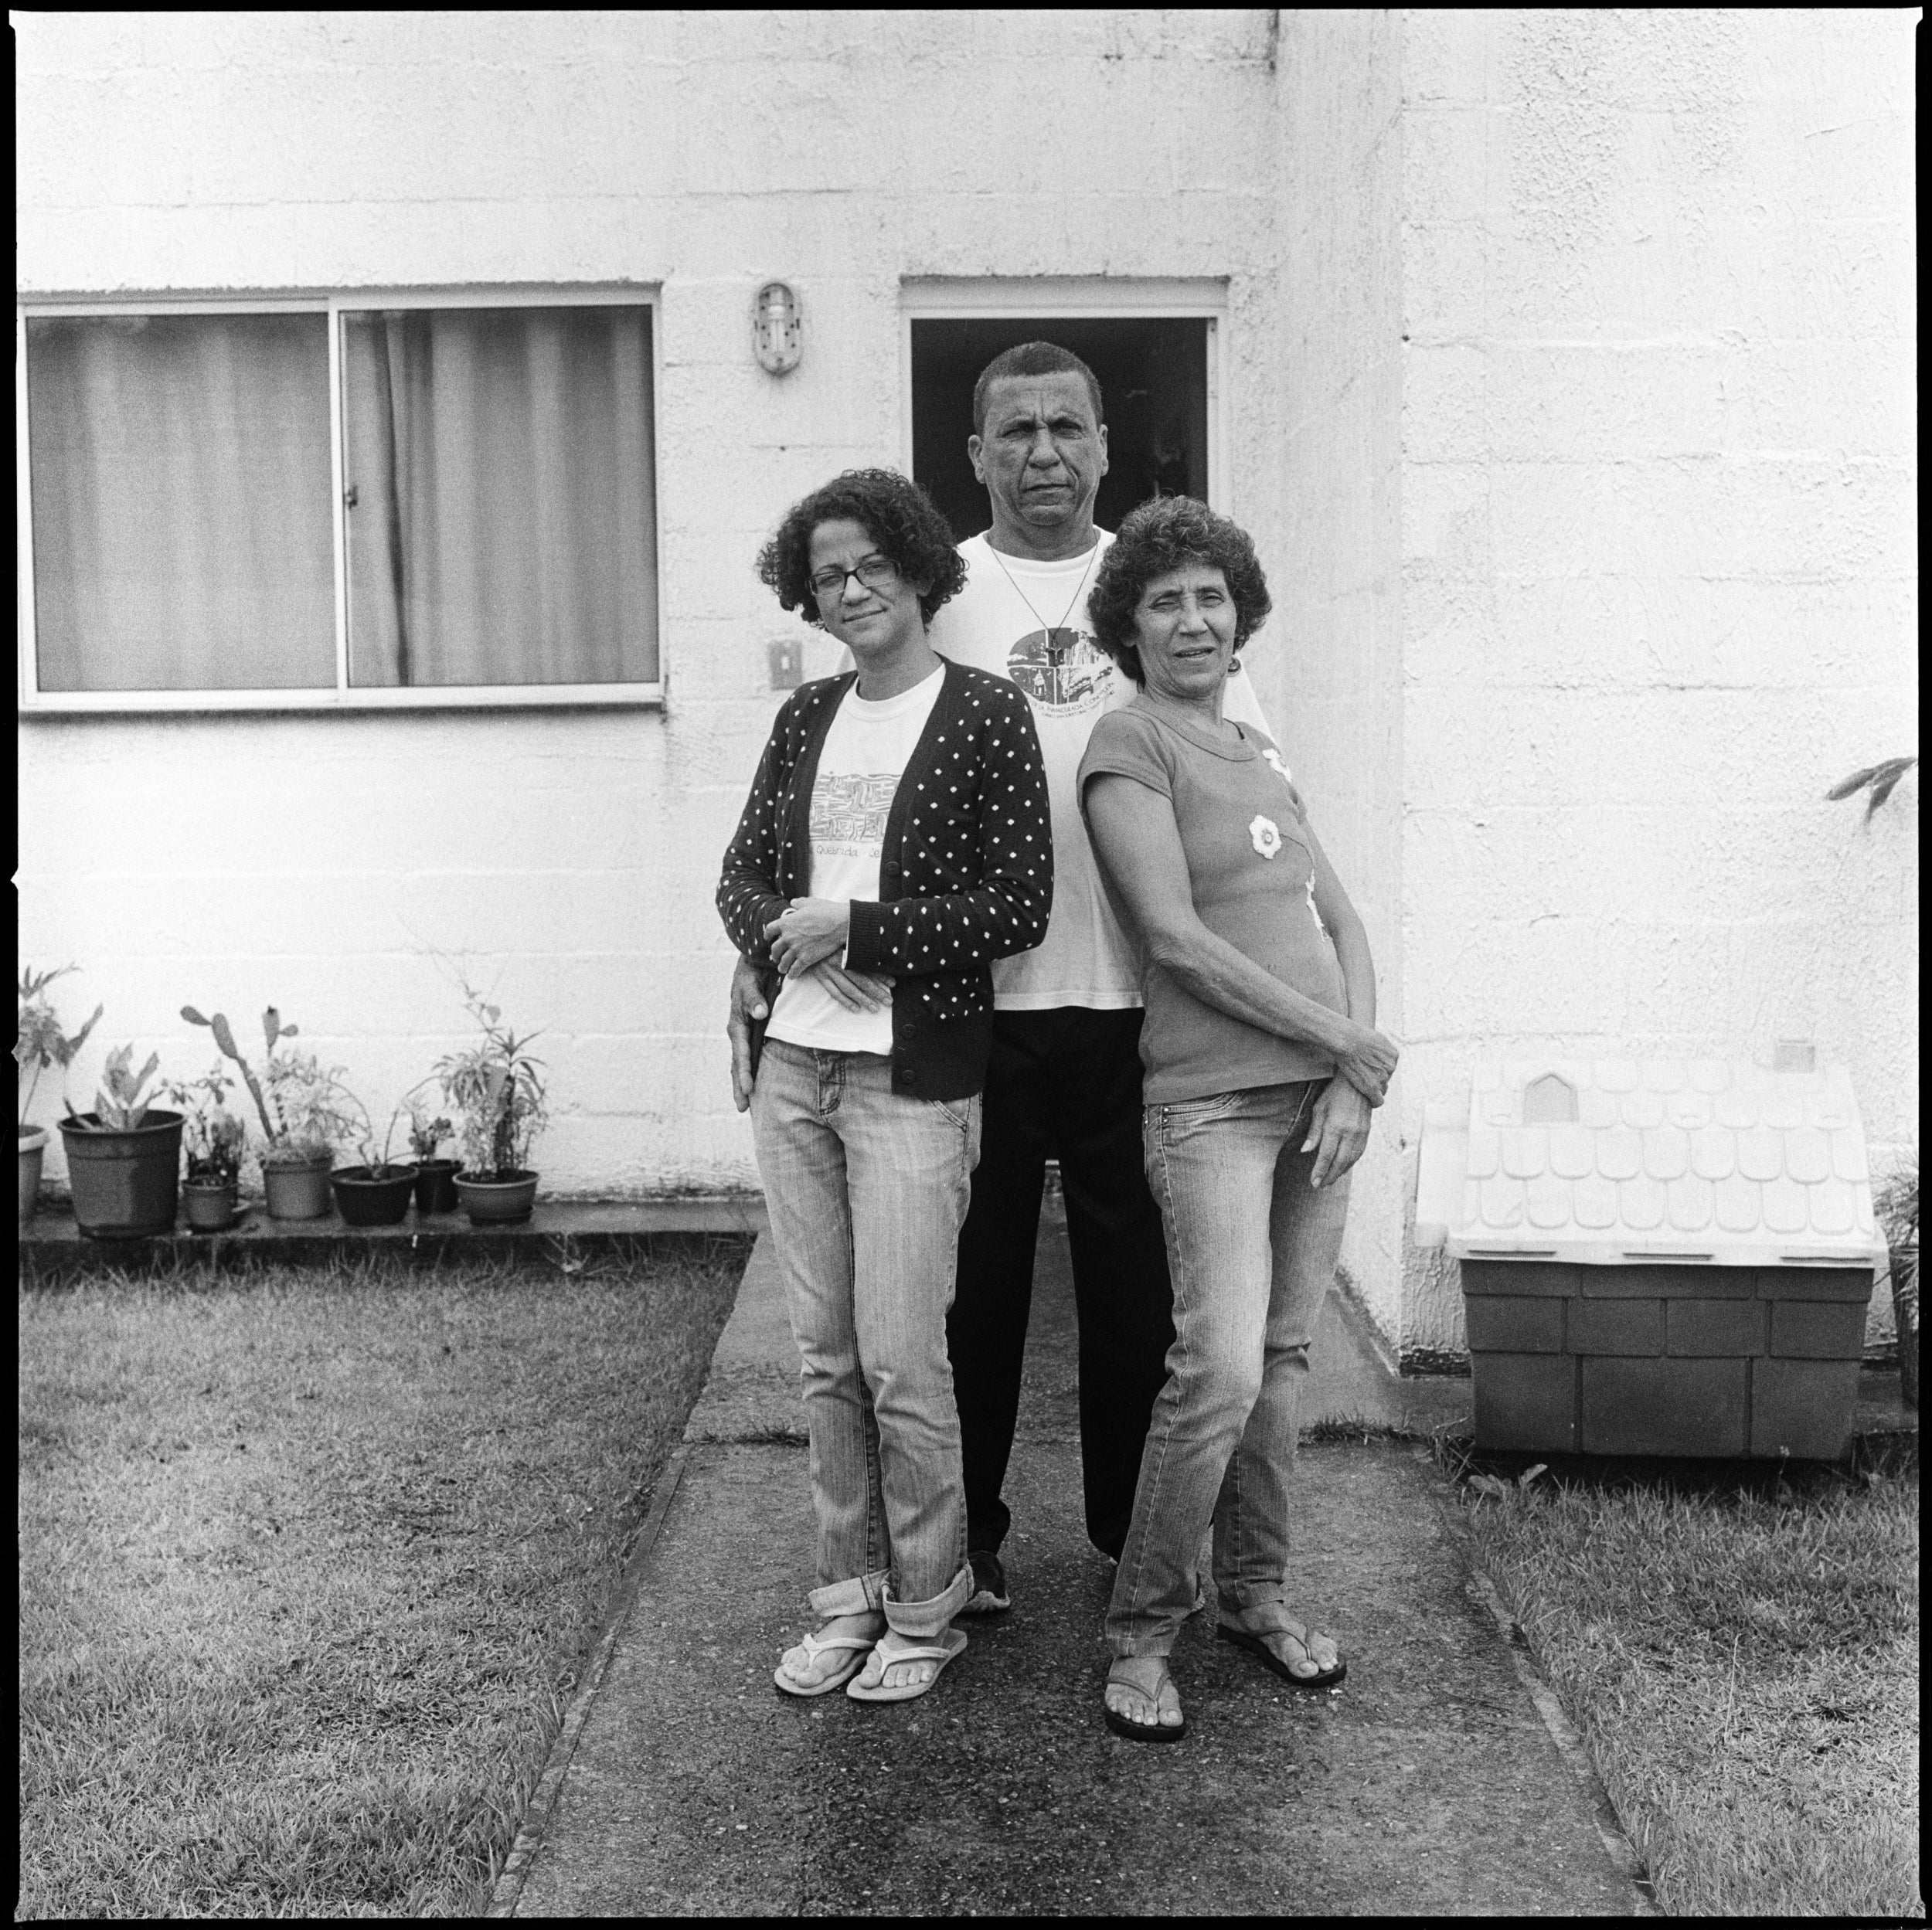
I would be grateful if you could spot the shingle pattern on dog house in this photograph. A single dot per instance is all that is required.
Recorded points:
(1665, 1257)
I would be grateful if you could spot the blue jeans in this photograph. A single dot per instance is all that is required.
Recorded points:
(1252, 1249)
(866, 1189)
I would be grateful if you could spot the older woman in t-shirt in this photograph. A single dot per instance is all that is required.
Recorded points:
(1262, 1065)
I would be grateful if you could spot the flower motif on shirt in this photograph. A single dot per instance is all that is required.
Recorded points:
(1267, 834)
(1272, 758)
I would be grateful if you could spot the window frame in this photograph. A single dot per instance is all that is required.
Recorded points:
(1073, 297)
(344, 696)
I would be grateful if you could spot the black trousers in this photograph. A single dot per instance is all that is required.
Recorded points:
(1064, 1083)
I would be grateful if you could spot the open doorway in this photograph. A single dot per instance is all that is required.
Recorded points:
(1153, 373)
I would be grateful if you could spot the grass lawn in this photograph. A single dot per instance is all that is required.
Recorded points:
(1745, 1665)
(309, 1561)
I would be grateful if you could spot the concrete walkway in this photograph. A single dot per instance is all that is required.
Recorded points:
(1429, 1783)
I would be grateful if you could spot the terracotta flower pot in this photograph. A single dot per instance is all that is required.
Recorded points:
(125, 1183)
(497, 1202)
(297, 1190)
(367, 1196)
(436, 1186)
(210, 1204)
(33, 1144)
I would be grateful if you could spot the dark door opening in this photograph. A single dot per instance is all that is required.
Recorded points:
(1153, 377)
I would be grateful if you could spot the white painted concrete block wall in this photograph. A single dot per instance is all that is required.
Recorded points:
(1658, 546)
(1334, 646)
(1587, 590)
(311, 861)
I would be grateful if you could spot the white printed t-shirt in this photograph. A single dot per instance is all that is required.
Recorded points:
(864, 755)
(1032, 626)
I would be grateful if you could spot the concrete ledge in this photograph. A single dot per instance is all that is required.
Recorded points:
(51, 1245)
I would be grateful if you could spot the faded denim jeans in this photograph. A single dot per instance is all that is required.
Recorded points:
(866, 1189)
(1252, 1247)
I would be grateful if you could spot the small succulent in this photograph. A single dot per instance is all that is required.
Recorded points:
(212, 1140)
(425, 1133)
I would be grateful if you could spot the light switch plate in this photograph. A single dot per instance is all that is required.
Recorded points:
(787, 666)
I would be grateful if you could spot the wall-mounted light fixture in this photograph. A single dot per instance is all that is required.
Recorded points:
(776, 327)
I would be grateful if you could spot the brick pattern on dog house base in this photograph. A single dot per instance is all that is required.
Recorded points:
(1663, 1259)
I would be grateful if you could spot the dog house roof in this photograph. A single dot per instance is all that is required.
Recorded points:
(1610, 1161)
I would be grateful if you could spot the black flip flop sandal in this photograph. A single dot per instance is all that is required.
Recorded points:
(1256, 1646)
(1143, 1731)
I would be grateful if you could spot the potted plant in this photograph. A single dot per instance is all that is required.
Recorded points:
(39, 1045)
(377, 1192)
(213, 1140)
(123, 1157)
(1897, 1205)
(496, 1089)
(435, 1178)
(304, 1108)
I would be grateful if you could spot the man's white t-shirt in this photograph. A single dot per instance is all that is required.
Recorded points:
(865, 755)
(1027, 621)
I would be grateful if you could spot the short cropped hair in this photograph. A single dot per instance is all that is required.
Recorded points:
(1163, 534)
(897, 515)
(1033, 358)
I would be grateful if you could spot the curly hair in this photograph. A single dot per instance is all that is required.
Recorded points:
(898, 515)
(1163, 534)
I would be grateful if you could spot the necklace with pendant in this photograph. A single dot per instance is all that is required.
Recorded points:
(1051, 631)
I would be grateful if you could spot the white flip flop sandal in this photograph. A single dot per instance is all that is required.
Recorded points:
(948, 1644)
(861, 1646)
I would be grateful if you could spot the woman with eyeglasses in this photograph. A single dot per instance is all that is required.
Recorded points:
(1263, 1066)
(895, 843)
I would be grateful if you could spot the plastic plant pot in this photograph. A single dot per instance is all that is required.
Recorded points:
(33, 1144)
(436, 1187)
(125, 1182)
(367, 1197)
(210, 1204)
(296, 1190)
(498, 1202)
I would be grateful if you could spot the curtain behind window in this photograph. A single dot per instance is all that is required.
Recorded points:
(502, 518)
(180, 502)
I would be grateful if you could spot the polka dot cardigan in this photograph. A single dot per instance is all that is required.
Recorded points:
(965, 873)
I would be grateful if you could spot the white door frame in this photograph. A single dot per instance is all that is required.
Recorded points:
(1085, 297)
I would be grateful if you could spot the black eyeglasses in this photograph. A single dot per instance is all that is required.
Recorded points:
(874, 572)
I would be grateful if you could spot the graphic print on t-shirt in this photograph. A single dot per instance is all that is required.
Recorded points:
(849, 812)
(1064, 671)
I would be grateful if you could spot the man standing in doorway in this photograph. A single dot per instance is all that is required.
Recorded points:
(1064, 1080)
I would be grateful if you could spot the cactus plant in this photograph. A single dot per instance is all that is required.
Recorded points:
(303, 1105)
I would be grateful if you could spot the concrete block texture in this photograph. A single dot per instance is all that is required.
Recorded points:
(1568, 377)
(1647, 258)
(568, 859)
(1663, 1406)
(1526, 1401)
(1803, 1408)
